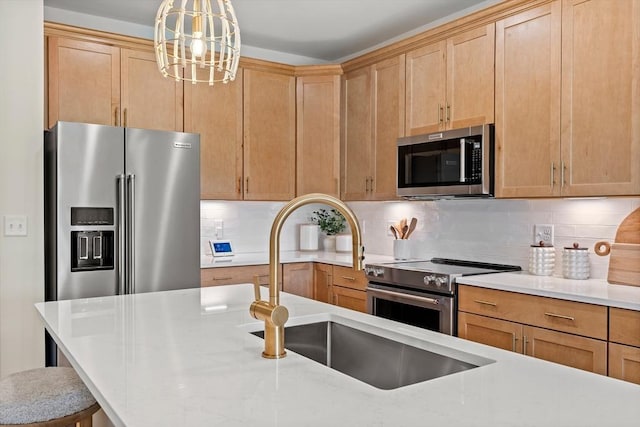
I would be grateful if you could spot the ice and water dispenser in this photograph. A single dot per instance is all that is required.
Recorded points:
(92, 249)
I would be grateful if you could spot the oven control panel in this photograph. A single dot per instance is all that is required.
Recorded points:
(436, 280)
(374, 271)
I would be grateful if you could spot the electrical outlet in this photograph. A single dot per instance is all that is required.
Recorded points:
(543, 233)
(15, 225)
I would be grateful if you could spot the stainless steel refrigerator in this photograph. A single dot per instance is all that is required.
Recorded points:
(122, 211)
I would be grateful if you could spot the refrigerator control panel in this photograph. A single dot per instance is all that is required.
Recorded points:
(91, 216)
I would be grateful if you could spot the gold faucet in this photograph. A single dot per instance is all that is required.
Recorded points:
(274, 314)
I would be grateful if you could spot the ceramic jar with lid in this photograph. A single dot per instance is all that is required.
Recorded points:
(542, 259)
(575, 262)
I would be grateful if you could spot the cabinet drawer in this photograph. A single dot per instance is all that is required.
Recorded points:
(347, 277)
(624, 326)
(234, 275)
(567, 316)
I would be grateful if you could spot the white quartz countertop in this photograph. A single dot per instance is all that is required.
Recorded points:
(593, 291)
(186, 358)
(258, 258)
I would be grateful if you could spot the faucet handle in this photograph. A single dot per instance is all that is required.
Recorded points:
(256, 287)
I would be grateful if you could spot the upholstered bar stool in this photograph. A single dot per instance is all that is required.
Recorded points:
(45, 397)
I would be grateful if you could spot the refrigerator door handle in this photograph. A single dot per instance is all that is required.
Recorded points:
(132, 234)
(122, 210)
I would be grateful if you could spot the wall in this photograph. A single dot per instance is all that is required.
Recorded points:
(498, 231)
(21, 121)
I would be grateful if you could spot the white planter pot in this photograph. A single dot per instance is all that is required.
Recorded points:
(344, 243)
(309, 237)
(329, 243)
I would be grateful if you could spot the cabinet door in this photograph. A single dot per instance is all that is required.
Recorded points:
(322, 278)
(269, 136)
(624, 362)
(318, 135)
(215, 112)
(357, 138)
(494, 332)
(470, 78)
(528, 103)
(388, 124)
(297, 279)
(349, 298)
(425, 90)
(624, 326)
(571, 350)
(601, 97)
(84, 82)
(149, 100)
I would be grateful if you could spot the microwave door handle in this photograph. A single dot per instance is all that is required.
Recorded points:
(463, 157)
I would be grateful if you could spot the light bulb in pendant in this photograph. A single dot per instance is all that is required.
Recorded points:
(198, 45)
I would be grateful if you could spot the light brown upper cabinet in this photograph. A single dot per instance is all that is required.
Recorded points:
(99, 83)
(149, 100)
(373, 118)
(600, 130)
(84, 82)
(318, 135)
(215, 112)
(568, 111)
(450, 83)
(269, 136)
(528, 102)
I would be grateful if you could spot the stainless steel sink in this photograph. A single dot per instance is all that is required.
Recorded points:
(375, 360)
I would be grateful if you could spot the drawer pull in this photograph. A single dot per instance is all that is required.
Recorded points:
(560, 316)
(492, 304)
(353, 279)
(222, 278)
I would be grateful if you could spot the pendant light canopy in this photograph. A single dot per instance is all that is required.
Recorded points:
(196, 42)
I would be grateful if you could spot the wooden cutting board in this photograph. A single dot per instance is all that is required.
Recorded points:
(629, 229)
(624, 263)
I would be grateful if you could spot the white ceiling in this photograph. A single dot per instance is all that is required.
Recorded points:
(327, 30)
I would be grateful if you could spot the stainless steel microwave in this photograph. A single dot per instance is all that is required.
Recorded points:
(456, 163)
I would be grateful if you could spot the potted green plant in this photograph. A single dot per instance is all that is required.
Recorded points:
(331, 223)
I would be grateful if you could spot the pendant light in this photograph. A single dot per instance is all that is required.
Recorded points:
(192, 35)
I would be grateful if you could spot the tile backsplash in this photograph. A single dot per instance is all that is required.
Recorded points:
(489, 230)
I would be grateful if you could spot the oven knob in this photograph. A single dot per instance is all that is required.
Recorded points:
(429, 279)
(378, 272)
(440, 281)
(368, 270)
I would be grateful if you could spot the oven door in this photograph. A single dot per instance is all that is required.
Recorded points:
(425, 310)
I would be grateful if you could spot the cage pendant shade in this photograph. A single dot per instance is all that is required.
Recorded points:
(196, 41)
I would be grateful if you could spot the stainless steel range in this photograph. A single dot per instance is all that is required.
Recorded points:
(422, 293)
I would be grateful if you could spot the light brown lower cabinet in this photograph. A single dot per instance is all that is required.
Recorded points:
(570, 333)
(322, 279)
(624, 362)
(567, 349)
(349, 298)
(349, 288)
(235, 275)
(297, 279)
(624, 345)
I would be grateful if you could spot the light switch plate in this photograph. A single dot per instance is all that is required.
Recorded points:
(15, 225)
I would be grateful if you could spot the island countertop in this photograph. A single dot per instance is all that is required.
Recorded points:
(186, 358)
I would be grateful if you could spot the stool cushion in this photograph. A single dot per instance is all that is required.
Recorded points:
(42, 394)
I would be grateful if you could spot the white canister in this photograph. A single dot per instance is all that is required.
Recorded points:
(575, 262)
(542, 260)
(309, 237)
(401, 249)
(344, 243)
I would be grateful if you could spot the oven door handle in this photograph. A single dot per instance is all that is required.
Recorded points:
(404, 296)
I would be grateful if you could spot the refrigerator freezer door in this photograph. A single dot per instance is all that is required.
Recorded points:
(88, 159)
(163, 174)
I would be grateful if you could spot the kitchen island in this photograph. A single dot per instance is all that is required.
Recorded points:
(187, 358)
